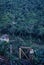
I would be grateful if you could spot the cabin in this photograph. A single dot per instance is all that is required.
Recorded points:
(26, 53)
(5, 38)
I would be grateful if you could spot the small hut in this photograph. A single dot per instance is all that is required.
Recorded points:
(26, 52)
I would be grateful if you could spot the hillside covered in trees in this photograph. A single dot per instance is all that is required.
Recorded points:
(23, 22)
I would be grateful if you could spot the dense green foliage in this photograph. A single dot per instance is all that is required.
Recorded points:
(23, 21)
